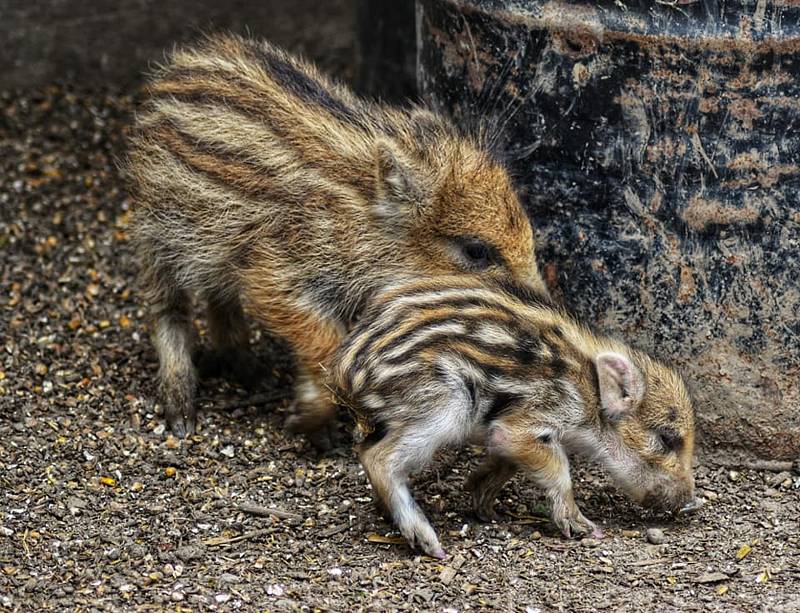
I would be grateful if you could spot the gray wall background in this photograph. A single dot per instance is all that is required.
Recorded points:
(369, 43)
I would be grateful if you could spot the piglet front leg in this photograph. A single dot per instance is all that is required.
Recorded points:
(568, 517)
(485, 484)
(543, 457)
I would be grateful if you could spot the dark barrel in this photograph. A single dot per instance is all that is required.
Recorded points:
(656, 146)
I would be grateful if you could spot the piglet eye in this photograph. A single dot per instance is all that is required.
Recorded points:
(669, 438)
(477, 254)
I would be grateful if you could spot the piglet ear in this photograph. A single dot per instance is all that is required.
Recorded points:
(621, 384)
(398, 193)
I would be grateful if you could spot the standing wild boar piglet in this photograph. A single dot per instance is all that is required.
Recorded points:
(259, 183)
(444, 361)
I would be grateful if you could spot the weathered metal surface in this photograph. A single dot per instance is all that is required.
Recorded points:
(657, 146)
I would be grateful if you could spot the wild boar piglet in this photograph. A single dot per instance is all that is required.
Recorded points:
(445, 361)
(260, 185)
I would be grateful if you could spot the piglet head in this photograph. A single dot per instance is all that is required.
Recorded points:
(646, 437)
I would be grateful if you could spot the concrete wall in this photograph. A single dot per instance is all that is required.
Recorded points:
(111, 42)
(367, 43)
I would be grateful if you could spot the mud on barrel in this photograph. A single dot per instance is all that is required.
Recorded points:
(656, 146)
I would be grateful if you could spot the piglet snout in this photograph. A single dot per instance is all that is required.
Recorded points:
(671, 500)
(693, 505)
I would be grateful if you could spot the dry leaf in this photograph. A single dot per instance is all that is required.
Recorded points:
(743, 551)
(386, 540)
(722, 590)
(712, 578)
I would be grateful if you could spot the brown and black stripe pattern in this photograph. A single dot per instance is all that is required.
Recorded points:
(261, 184)
(500, 338)
(441, 361)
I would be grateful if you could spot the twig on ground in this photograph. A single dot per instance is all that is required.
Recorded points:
(216, 542)
(776, 466)
(255, 509)
(648, 562)
(334, 530)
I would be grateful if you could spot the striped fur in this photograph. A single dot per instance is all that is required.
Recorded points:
(262, 185)
(443, 361)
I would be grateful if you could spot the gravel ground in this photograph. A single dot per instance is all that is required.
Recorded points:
(100, 510)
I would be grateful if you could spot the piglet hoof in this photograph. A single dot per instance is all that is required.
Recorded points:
(576, 524)
(423, 537)
(485, 513)
(439, 554)
(178, 428)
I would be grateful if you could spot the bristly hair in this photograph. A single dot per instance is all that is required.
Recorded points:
(480, 120)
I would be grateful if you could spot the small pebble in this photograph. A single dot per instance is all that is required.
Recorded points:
(137, 551)
(227, 579)
(190, 552)
(447, 575)
(783, 479)
(655, 536)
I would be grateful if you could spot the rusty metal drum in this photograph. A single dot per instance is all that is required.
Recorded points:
(656, 145)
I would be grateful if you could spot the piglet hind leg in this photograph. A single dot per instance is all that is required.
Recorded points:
(314, 340)
(313, 412)
(231, 356)
(485, 483)
(173, 337)
(388, 463)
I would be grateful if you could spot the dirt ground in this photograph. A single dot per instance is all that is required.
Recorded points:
(101, 510)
